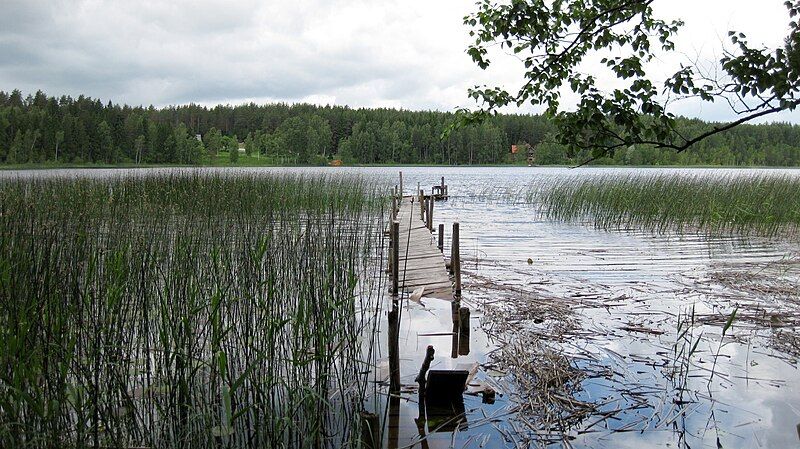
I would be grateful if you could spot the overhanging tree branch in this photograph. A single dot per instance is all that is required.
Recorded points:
(557, 36)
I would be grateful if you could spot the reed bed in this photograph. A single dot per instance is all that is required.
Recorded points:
(762, 204)
(187, 310)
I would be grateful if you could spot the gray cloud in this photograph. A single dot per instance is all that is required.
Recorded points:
(362, 53)
(177, 52)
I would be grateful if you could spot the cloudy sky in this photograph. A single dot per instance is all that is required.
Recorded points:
(407, 54)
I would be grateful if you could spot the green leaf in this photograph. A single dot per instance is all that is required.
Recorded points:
(729, 323)
(222, 364)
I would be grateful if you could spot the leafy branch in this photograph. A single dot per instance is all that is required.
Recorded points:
(553, 37)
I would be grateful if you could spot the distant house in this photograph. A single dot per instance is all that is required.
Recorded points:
(524, 147)
(198, 137)
(241, 147)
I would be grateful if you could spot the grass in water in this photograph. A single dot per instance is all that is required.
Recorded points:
(186, 310)
(764, 204)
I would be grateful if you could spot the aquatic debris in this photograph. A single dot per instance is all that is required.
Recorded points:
(541, 383)
(417, 294)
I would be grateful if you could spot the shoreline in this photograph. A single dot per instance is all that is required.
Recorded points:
(66, 166)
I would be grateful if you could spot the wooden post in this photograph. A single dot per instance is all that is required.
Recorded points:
(390, 263)
(393, 427)
(456, 261)
(424, 210)
(394, 352)
(441, 237)
(370, 431)
(463, 331)
(423, 370)
(401, 184)
(455, 306)
(454, 346)
(430, 213)
(395, 256)
(451, 266)
(422, 204)
(394, 207)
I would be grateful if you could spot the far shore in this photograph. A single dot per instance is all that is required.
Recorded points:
(124, 165)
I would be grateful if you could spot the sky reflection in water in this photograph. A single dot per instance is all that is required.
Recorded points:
(611, 280)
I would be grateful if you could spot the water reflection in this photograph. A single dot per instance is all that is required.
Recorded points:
(626, 290)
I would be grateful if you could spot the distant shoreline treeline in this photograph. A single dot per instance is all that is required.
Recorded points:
(38, 129)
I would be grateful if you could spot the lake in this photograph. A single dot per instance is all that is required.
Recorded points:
(638, 317)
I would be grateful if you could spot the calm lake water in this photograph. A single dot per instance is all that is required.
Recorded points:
(625, 292)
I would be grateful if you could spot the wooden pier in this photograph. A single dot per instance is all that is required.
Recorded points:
(420, 262)
(417, 265)
(419, 269)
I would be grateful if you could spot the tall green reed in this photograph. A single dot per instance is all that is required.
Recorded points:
(186, 310)
(747, 204)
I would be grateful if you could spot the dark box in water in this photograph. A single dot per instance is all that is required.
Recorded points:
(445, 386)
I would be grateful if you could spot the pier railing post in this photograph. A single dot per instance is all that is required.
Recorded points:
(390, 268)
(451, 266)
(422, 204)
(441, 237)
(430, 213)
(395, 254)
(394, 207)
(456, 260)
(401, 184)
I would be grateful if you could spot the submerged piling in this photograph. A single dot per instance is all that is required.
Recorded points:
(463, 331)
(423, 370)
(455, 306)
(370, 431)
(394, 352)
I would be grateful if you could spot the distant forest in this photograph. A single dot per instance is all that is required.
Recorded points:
(38, 129)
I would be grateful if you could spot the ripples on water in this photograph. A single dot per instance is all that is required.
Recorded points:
(628, 289)
(640, 281)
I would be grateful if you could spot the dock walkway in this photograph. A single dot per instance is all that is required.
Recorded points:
(420, 261)
(417, 330)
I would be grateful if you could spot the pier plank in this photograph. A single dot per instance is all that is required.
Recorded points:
(420, 264)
